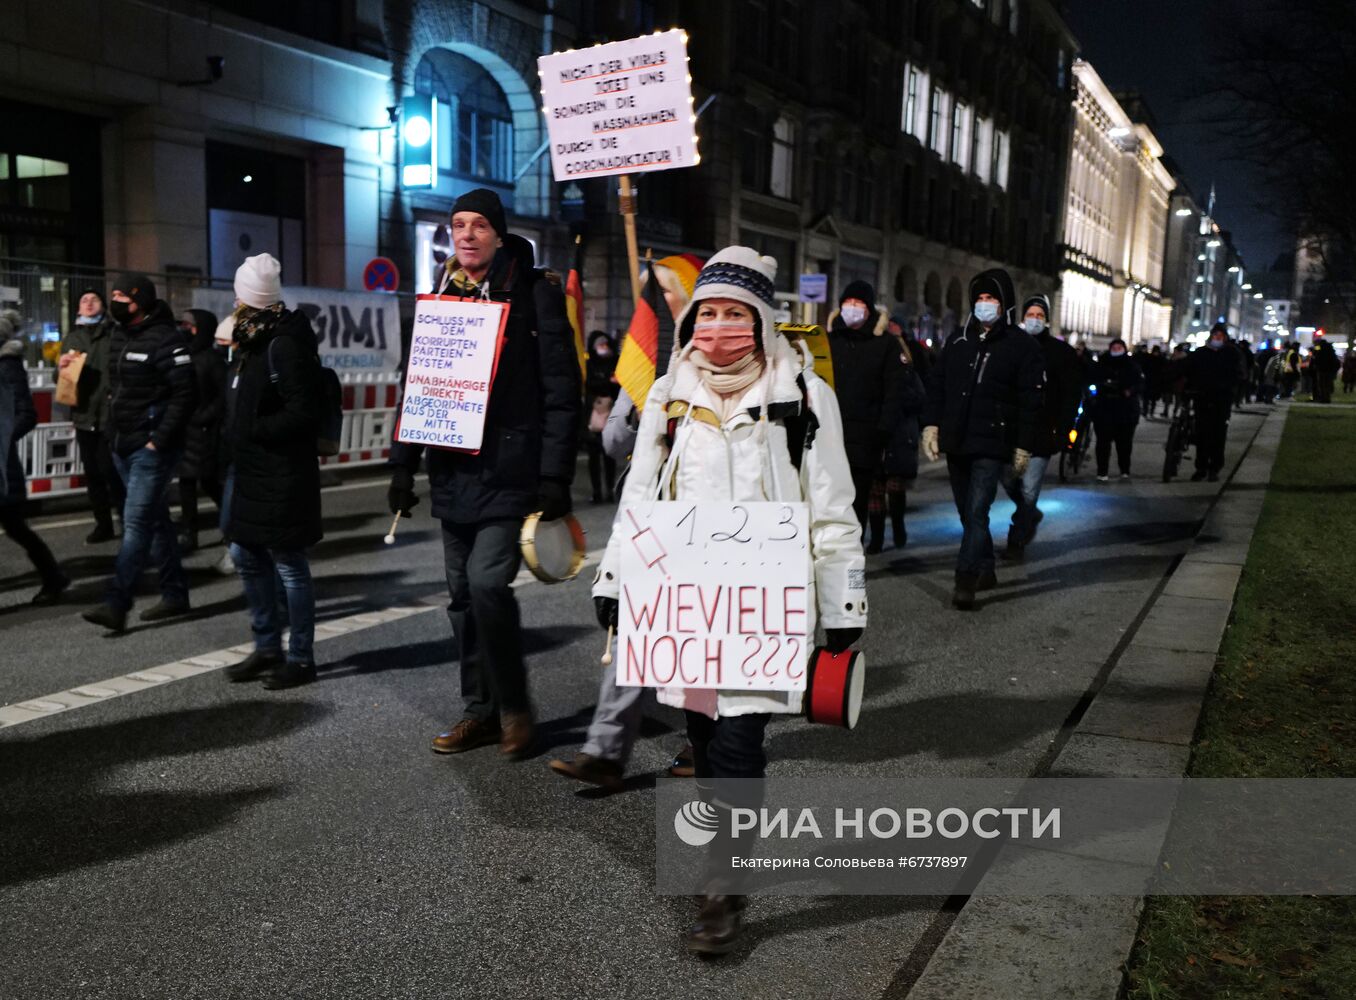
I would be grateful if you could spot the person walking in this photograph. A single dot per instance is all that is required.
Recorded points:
(272, 494)
(18, 416)
(1151, 363)
(1267, 370)
(151, 395)
(1349, 371)
(1290, 369)
(899, 465)
(1212, 371)
(1246, 361)
(1116, 408)
(985, 403)
(600, 395)
(742, 389)
(1325, 365)
(198, 466)
(526, 465)
(90, 337)
(866, 364)
(1064, 383)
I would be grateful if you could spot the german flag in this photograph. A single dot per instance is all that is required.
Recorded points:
(648, 341)
(574, 310)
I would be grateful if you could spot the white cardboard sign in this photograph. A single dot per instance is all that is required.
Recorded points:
(622, 107)
(447, 380)
(715, 595)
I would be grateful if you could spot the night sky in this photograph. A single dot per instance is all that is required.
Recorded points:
(1163, 49)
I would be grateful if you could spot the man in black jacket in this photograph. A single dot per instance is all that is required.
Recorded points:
(1212, 372)
(151, 394)
(525, 464)
(91, 336)
(1064, 383)
(984, 410)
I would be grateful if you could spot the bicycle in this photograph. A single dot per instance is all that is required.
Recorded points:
(1180, 434)
(1075, 453)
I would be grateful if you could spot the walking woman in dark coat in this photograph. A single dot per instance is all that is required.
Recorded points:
(899, 468)
(17, 417)
(1115, 412)
(198, 466)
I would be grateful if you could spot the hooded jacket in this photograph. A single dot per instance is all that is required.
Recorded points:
(986, 394)
(868, 376)
(1064, 383)
(18, 416)
(151, 388)
(532, 422)
(94, 340)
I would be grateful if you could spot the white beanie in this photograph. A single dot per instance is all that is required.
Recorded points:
(738, 273)
(258, 281)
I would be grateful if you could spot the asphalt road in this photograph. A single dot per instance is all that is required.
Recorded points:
(203, 839)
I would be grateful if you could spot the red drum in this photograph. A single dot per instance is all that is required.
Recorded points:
(833, 689)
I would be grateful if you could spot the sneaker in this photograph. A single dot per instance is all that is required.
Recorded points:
(289, 675)
(1125, 476)
(165, 609)
(107, 616)
(225, 565)
(101, 533)
(254, 666)
(591, 770)
(467, 735)
(51, 591)
(1104, 479)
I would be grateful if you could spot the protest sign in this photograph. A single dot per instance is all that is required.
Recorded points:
(453, 354)
(715, 595)
(621, 107)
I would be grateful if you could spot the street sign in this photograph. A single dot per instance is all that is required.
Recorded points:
(620, 108)
(814, 288)
(381, 275)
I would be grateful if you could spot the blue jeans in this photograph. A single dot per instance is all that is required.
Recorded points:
(147, 532)
(1025, 492)
(974, 484)
(260, 570)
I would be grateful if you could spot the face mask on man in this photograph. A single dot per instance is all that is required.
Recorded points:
(88, 320)
(854, 315)
(986, 312)
(1118, 352)
(1033, 326)
(1215, 343)
(723, 342)
(122, 311)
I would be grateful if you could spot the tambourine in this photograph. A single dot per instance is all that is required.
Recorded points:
(834, 686)
(553, 550)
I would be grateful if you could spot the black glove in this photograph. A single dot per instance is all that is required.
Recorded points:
(553, 499)
(606, 609)
(838, 640)
(400, 496)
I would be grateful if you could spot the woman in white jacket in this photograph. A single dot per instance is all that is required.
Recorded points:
(729, 396)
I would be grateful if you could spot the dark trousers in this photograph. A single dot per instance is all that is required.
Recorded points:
(16, 527)
(1120, 432)
(602, 469)
(974, 484)
(147, 532)
(1212, 430)
(728, 747)
(862, 480)
(188, 499)
(1323, 386)
(481, 561)
(103, 485)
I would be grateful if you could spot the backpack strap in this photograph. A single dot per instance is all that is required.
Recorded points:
(801, 426)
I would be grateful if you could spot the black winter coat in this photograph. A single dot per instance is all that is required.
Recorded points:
(202, 440)
(901, 454)
(1211, 373)
(17, 417)
(1064, 383)
(150, 384)
(90, 411)
(533, 420)
(1114, 378)
(986, 393)
(270, 437)
(867, 374)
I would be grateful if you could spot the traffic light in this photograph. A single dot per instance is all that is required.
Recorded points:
(418, 141)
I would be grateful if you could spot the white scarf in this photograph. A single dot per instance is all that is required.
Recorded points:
(732, 378)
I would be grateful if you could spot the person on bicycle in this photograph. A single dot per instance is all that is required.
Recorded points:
(1063, 392)
(1212, 371)
(1115, 413)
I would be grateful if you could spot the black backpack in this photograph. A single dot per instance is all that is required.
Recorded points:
(331, 427)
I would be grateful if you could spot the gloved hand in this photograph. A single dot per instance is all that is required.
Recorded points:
(553, 499)
(400, 496)
(931, 448)
(607, 610)
(837, 640)
(1021, 458)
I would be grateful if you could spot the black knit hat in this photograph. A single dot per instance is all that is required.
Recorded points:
(860, 290)
(487, 203)
(1220, 328)
(137, 287)
(1036, 300)
(995, 282)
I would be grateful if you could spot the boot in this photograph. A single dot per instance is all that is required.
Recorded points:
(987, 581)
(897, 502)
(877, 543)
(591, 770)
(719, 924)
(165, 609)
(52, 590)
(963, 594)
(103, 532)
(289, 675)
(107, 616)
(466, 735)
(254, 666)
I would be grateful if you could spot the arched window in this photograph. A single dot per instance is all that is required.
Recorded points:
(474, 120)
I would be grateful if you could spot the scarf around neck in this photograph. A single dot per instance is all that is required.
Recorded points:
(732, 378)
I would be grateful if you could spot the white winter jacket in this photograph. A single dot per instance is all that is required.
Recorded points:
(729, 462)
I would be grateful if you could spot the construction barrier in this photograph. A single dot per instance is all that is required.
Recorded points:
(51, 457)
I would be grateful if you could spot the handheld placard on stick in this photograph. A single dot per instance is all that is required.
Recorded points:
(390, 535)
(627, 203)
(606, 659)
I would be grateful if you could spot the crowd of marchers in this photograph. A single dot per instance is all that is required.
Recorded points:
(234, 410)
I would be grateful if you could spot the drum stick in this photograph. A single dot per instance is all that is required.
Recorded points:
(606, 659)
(390, 535)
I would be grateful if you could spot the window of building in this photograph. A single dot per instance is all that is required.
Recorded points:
(909, 116)
(961, 128)
(1001, 156)
(939, 110)
(480, 139)
(983, 158)
(753, 152)
(786, 37)
(782, 181)
(38, 182)
(782, 250)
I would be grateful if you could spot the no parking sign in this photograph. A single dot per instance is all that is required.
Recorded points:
(381, 275)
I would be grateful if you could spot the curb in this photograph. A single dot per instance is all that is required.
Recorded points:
(1138, 725)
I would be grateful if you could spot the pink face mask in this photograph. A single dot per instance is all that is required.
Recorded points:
(722, 342)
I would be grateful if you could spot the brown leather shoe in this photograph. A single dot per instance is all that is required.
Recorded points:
(516, 741)
(719, 924)
(466, 735)
(592, 770)
(684, 764)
